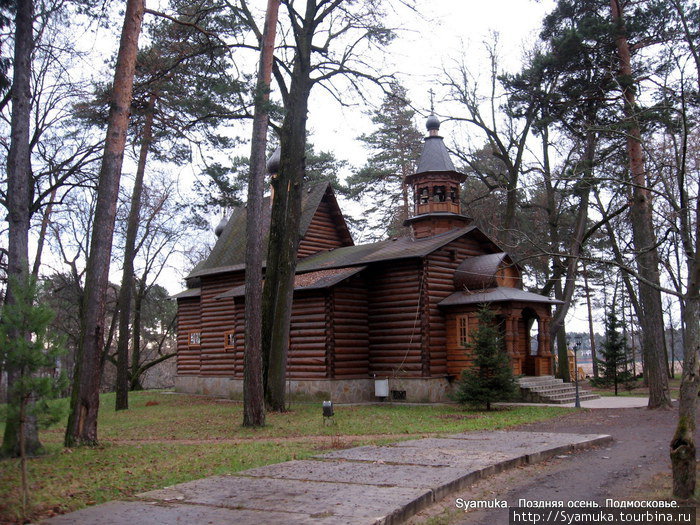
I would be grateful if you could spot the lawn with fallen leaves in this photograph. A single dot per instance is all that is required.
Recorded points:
(167, 438)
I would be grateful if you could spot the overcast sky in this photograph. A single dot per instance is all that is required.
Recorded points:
(443, 33)
(437, 37)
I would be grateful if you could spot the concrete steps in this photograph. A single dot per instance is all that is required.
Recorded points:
(548, 389)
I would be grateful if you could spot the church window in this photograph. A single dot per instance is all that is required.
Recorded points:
(439, 193)
(463, 330)
(453, 194)
(195, 338)
(230, 339)
(423, 196)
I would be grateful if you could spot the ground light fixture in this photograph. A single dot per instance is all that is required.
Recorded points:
(328, 413)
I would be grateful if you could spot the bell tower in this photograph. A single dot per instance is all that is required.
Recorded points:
(436, 185)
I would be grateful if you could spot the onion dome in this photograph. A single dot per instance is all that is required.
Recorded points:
(273, 163)
(432, 124)
(220, 227)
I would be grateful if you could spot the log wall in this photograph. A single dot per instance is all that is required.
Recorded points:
(240, 338)
(217, 317)
(308, 357)
(440, 268)
(350, 327)
(458, 356)
(187, 321)
(508, 276)
(323, 233)
(394, 319)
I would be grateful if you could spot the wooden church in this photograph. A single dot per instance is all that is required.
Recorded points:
(400, 309)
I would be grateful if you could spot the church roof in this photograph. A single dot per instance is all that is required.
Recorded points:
(435, 156)
(496, 295)
(325, 269)
(188, 294)
(479, 273)
(228, 253)
(317, 280)
(388, 250)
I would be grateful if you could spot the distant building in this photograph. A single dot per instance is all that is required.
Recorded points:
(401, 309)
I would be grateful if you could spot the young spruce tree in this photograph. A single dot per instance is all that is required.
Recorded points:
(490, 378)
(33, 357)
(614, 362)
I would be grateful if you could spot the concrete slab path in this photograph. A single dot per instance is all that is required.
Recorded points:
(602, 402)
(363, 485)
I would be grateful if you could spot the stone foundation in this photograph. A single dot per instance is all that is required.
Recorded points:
(417, 390)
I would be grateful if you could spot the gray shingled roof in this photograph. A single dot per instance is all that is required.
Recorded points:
(392, 249)
(435, 156)
(185, 294)
(228, 253)
(364, 254)
(318, 280)
(495, 295)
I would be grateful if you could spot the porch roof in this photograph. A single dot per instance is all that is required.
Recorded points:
(496, 295)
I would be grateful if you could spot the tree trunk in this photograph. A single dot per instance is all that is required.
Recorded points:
(45, 220)
(125, 292)
(24, 403)
(134, 375)
(644, 240)
(558, 337)
(583, 191)
(19, 200)
(253, 387)
(286, 215)
(82, 420)
(284, 222)
(683, 451)
(591, 333)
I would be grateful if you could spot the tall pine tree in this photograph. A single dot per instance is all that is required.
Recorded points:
(395, 148)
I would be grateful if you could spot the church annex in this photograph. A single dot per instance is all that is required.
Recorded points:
(400, 309)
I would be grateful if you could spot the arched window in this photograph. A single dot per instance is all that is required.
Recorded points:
(439, 193)
(423, 195)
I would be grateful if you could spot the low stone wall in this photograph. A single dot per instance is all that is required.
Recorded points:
(416, 390)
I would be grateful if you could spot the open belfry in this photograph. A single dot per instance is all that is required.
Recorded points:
(400, 309)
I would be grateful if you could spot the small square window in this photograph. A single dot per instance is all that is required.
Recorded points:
(230, 339)
(195, 339)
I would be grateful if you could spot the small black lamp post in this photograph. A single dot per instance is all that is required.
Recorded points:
(577, 347)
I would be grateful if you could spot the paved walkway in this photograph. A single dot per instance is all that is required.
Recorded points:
(602, 402)
(635, 465)
(363, 485)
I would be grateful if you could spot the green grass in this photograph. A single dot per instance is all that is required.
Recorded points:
(165, 439)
